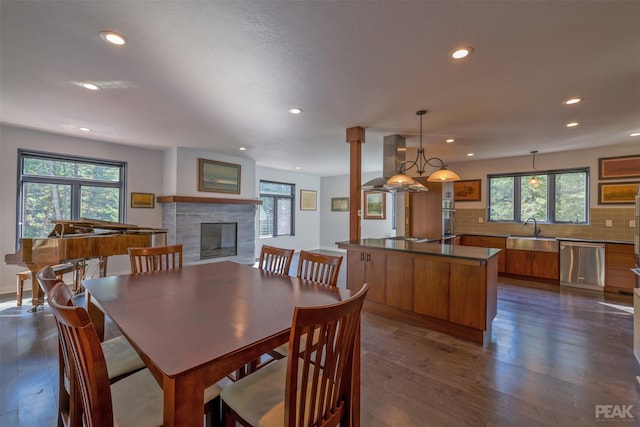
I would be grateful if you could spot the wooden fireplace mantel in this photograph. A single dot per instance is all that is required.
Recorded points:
(218, 200)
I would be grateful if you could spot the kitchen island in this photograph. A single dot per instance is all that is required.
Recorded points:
(448, 288)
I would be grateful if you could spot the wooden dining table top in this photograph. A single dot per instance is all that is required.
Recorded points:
(185, 318)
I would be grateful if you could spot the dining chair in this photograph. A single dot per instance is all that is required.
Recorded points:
(319, 268)
(275, 260)
(120, 357)
(310, 390)
(136, 400)
(155, 258)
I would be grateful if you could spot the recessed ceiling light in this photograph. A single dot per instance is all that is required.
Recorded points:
(462, 52)
(572, 101)
(635, 134)
(298, 168)
(83, 129)
(450, 141)
(113, 38)
(470, 154)
(295, 110)
(90, 86)
(572, 124)
(242, 149)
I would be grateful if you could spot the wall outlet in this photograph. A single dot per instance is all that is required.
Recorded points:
(608, 223)
(632, 223)
(480, 220)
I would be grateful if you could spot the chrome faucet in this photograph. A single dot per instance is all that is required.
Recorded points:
(536, 230)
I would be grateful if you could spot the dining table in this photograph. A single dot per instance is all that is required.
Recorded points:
(194, 325)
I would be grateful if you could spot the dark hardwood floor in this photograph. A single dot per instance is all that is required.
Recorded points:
(554, 356)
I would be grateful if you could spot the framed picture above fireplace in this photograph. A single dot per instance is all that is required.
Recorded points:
(218, 177)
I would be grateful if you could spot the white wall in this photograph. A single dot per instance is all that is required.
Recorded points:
(307, 223)
(144, 174)
(334, 226)
(544, 161)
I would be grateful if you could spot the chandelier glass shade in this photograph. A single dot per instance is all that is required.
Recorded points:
(534, 181)
(403, 182)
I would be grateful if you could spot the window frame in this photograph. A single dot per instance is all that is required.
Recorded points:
(76, 184)
(276, 197)
(551, 193)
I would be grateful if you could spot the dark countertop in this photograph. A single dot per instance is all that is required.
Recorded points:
(570, 239)
(437, 249)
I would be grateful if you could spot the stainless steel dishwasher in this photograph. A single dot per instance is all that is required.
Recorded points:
(582, 265)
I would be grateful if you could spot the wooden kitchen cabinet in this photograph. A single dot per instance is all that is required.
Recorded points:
(448, 288)
(399, 282)
(619, 260)
(431, 288)
(424, 211)
(367, 267)
(489, 242)
(545, 265)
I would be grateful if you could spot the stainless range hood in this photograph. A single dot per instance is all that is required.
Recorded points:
(393, 155)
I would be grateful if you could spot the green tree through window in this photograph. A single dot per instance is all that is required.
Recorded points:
(276, 211)
(59, 187)
(557, 197)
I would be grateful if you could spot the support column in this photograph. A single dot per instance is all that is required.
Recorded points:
(355, 138)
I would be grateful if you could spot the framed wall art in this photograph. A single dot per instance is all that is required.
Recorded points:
(619, 167)
(617, 193)
(375, 206)
(143, 200)
(467, 191)
(339, 204)
(308, 200)
(218, 177)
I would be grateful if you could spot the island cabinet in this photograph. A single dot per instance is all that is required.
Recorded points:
(545, 265)
(488, 242)
(448, 288)
(619, 260)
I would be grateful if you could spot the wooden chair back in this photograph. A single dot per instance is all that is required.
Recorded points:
(275, 260)
(318, 385)
(319, 268)
(156, 258)
(84, 356)
(47, 279)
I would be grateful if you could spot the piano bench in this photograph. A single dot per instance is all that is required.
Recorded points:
(59, 269)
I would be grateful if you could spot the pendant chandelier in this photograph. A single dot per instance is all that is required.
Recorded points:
(534, 181)
(403, 182)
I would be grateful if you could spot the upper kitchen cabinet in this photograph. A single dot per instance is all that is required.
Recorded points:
(423, 211)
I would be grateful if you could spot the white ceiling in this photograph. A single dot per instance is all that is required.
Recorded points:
(220, 75)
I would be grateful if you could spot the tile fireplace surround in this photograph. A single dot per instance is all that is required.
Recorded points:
(182, 216)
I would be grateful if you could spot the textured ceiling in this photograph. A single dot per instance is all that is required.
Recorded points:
(220, 75)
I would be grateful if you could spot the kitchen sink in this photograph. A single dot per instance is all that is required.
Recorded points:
(530, 243)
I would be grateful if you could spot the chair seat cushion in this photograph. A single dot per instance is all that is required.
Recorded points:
(259, 397)
(121, 357)
(138, 400)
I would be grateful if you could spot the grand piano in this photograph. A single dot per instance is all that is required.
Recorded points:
(77, 241)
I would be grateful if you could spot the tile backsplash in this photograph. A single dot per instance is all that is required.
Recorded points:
(475, 221)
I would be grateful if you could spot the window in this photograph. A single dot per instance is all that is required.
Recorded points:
(53, 187)
(276, 211)
(551, 197)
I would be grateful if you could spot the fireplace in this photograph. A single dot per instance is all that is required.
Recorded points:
(218, 239)
(182, 217)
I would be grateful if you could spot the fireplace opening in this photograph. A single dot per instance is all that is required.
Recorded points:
(218, 239)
